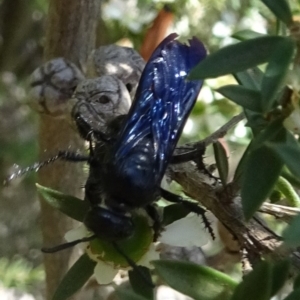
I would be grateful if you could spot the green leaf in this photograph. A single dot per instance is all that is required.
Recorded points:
(261, 172)
(250, 78)
(196, 281)
(76, 277)
(275, 73)
(273, 131)
(281, 10)
(296, 282)
(139, 284)
(127, 294)
(280, 273)
(240, 169)
(247, 34)
(69, 205)
(236, 58)
(256, 285)
(247, 98)
(256, 121)
(173, 213)
(289, 151)
(294, 181)
(221, 161)
(287, 190)
(291, 234)
(295, 295)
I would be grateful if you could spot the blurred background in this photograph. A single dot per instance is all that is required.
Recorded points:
(133, 23)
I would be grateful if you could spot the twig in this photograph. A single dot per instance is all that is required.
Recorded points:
(255, 238)
(284, 213)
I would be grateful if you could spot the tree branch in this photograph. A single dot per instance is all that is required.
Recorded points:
(254, 235)
(70, 34)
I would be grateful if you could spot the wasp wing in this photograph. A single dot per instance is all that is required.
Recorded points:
(163, 102)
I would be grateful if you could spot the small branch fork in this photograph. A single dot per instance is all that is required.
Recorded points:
(255, 238)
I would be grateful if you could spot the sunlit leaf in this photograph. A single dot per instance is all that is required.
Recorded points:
(69, 205)
(196, 281)
(236, 58)
(76, 277)
(247, 98)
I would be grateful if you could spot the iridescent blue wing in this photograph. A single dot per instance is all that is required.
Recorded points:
(162, 103)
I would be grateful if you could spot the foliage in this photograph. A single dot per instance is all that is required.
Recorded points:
(20, 274)
(266, 69)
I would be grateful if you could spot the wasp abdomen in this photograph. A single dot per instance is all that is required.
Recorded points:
(133, 182)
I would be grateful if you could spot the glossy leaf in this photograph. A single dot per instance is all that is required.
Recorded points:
(294, 295)
(276, 72)
(221, 161)
(139, 284)
(69, 205)
(250, 78)
(196, 281)
(247, 98)
(280, 273)
(246, 35)
(291, 234)
(76, 277)
(262, 169)
(236, 58)
(256, 285)
(281, 10)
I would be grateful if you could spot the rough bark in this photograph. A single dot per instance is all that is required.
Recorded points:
(70, 33)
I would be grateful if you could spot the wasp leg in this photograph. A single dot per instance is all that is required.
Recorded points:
(157, 226)
(192, 154)
(193, 207)
(195, 155)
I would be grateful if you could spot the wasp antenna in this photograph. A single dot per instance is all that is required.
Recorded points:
(64, 155)
(67, 245)
(133, 265)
